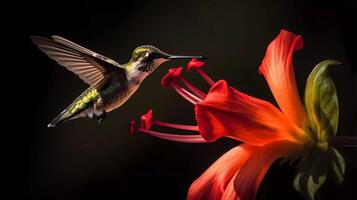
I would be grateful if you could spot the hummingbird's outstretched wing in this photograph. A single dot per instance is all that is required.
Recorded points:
(91, 67)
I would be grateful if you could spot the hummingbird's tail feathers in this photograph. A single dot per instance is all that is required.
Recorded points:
(66, 116)
(54, 123)
(61, 118)
(82, 106)
(51, 125)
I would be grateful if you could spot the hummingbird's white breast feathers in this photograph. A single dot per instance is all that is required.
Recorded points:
(133, 73)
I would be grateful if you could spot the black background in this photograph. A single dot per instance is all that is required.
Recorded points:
(85, 160)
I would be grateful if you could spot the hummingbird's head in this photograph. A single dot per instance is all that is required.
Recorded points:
(147, 58)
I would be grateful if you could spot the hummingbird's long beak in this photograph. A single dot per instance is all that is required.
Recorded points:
(186, 57)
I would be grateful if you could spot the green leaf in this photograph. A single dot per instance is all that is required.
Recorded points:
(321, 102)
(314, 166)
(338, 164)
(312, 173)
(312, 186)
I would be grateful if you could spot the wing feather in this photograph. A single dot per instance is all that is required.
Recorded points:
(91, 67)
(73, 45)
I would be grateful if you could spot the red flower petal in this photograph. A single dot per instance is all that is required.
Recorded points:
(239, 172)
(213, 183)
(278, 70)
(227, 112)
(146, 120)
(248, 179)
(194, 63)
(173, 72)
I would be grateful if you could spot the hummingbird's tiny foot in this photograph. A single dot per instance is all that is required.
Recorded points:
(100, 118)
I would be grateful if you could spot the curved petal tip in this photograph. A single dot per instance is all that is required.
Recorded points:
(173, 73)
(146, 120)
(194, 63)
(278, 70)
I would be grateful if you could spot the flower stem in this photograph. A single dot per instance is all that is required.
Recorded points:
(344, 141)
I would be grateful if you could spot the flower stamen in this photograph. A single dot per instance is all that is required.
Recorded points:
(197, 65)
(175, 126)
(184, 93)
(175, 137)
(193, 88)
(147, 122)
(205, 76)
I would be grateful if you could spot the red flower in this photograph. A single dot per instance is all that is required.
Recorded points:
(172, 74)
(268, 132)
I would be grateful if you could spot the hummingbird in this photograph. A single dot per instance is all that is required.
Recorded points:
(110, 84)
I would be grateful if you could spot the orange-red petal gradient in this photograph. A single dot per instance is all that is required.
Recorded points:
(278, 70)
(248, 178)
(227, 112)
(212, 184)
(238, 173)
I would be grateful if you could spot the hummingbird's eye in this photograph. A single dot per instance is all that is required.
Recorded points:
(146, 55)
(150, 56)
